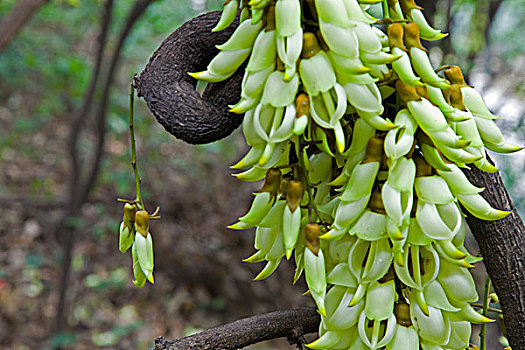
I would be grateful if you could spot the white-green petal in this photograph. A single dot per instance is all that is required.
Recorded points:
(380, 298)
(340, 275)
(406, 338)
(314, 268)
(433, 189)
(317, 74)
(242, 38)
(280, 93)
(434, 328)
(371, 226)
(287, 17)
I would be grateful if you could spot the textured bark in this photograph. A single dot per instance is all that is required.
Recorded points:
(502, 244)
(292, 324)
(170, 92)
(16, 19)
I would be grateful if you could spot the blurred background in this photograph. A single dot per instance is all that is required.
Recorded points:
(65, 70)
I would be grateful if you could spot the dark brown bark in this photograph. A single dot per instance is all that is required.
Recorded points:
(292, 324)
(170, 92)
(167, 90)
(16, 19)
(502, 244)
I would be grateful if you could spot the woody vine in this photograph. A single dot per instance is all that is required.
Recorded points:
(361, 144)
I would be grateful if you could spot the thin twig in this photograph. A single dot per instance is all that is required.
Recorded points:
(490, 309)
(485, 310)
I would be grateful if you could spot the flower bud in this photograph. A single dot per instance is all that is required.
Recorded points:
(374, 150)
(422, 167)
(455, 75)
(127, 233)
(407, 92)
(270, 18)
(294, 194)
(395, 36)
(272, 182)
(311, 234)
(302, 105)
(411, 36)
(494, 298)
(456, 97)
(422, 91)
(142, 222)
(284, 184)
(402, 312)
(310, 45)
(408, 6)
(376, 203)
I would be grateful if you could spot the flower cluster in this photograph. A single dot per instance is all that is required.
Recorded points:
(134, 233)
(361, 144)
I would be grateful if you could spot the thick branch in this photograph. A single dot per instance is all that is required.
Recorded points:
(170, 92)
(16, 19)
(502, 244)
(289, 323)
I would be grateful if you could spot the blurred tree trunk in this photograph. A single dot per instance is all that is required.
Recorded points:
(16, 19)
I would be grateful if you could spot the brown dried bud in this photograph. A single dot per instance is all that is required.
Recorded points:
(376, 202)
(142, 222)
(311, 236)
(302, 105)
(129, 215)
(272, 182)
(270, 18)
(455, 75)
(374, 150)
(407, 6)
(411, 36)
(392, 3)
(422, 167)
(456, 97)
(294, 194)
(284, 184)
(402, 312)
(395, 36)
(407, 92)
(422, 91)
(310, 45)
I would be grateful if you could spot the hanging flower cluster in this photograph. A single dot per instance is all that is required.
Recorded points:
(361, 144)
(134, 233)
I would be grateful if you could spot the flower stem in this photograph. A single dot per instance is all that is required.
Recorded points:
(386, 10)
(133, 148)
(485, 311)
(304, 173)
